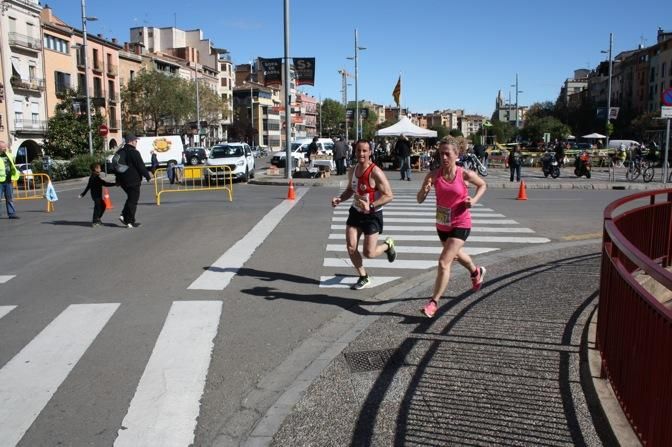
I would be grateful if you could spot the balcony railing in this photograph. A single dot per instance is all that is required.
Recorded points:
(97, 65)
(24, 41)
(113, 98)
(30, 126)
(112, 70)
(33, 84)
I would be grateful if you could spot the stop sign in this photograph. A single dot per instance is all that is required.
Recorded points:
(103, 130)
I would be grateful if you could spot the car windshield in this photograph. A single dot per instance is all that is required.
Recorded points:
(226, 151)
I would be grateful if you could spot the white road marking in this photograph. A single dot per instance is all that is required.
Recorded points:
(165, 406)
(420, 249)
(420, 214)
(419, 237)
(4, 310)
(427, 221)
(220, 273)
(343, 282)
(382, 263)
(30, 379)
(432, 229)
(5, 278)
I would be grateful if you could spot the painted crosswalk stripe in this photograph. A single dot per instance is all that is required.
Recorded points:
(421, 214)
(420, 237)
(220, 273)
(4, 310)
(382, 263)
(429, 207)
(5, 278)
(432, 229)
(417, 249)
(30, 379)
(165, 406)
(343, 282)
(426, 221)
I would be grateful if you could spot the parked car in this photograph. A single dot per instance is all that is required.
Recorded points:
(237, 156)
(195, 155)
(299, 150)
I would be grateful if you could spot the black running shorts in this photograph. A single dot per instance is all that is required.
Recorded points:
(455, 233)
(368, 223)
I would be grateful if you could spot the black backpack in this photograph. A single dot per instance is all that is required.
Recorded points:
(119, 161)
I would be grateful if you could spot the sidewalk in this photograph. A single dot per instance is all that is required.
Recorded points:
(503, 366)
(497, 178)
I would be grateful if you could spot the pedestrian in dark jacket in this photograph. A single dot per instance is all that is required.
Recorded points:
(515, 163)
(155, 162)
(131, 179)
(340, 153)
(403, 150)
(95, 185)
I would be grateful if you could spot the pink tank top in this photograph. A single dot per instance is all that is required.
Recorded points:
(451, 212)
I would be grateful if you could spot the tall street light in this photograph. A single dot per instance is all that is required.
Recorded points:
(356, 58)
(517, 91)
(85, 50)
(606, 128)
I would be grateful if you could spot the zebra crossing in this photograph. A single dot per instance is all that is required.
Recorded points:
(166, 402)
(412, 226)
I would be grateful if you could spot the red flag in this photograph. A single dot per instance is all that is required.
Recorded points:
(396, 93)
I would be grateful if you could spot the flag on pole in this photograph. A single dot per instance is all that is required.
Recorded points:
(51, 193)
(396, 93)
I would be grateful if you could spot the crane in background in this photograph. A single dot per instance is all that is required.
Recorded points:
(344, 95)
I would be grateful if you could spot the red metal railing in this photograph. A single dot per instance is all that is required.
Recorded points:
(634, 330)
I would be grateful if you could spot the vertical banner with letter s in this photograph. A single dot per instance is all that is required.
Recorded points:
(304, 67)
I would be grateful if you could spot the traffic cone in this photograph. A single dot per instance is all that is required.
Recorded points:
(522, 192)
(106, 199)
(291, 195)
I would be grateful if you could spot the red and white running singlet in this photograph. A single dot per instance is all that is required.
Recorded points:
(362, 187)
(451, 212)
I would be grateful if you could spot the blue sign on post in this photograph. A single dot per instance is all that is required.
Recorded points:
(666, 97)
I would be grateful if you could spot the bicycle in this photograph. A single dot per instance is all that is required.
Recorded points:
(639, 166)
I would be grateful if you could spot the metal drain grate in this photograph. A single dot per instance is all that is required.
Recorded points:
(362, 361)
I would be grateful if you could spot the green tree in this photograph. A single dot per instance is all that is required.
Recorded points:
(536, 127)
(503, 131)
(333, 117)
(67, 132)
(541, 110)
(453, 133)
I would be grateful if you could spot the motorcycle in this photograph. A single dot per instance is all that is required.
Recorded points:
(582, 165)
(549, 165)
(470, 161)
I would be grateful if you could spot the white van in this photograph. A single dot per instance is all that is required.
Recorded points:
(615, 144)
(300, 148)
(168, 148)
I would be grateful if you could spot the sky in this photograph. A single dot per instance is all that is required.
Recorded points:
(450, 55)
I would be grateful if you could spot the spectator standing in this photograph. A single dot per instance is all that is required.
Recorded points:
(403, 151)
(131, 179)
(155, 162)
(95, 185)
(340, 154)
(8, 175)
(515, 162)
(482, 154)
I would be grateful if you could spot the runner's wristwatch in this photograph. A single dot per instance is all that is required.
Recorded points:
(372, 209)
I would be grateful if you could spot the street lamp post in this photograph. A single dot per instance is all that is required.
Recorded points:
(198, 109)
(357, 49)
(85, 51)
(517, 91)
(611, 62)
(251, 105)
(288, 123)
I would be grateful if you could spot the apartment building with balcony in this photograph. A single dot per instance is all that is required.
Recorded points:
(24, 113)
(197, 58)
(307, 108)
(259, 106)
(225, 87)
(470, 124)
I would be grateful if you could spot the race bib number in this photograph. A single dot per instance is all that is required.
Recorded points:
(443, 215)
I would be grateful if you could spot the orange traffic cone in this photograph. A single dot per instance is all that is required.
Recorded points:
(291, 195)
(106, 199)
(522, 192)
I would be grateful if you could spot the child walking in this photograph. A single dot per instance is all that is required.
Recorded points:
(96, 186)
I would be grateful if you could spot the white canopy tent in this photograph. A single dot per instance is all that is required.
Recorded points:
(406, 127)
(594, 136)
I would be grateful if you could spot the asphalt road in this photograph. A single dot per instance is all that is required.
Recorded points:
(153, 326)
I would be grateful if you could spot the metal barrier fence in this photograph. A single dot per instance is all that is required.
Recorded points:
(634, 329)
(33, 187)
(191, 179)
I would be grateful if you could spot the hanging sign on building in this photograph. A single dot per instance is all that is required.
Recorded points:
(272, 71)
(304, 69)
